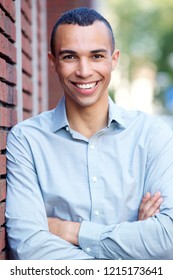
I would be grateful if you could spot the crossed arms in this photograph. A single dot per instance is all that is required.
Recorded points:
(69, 230)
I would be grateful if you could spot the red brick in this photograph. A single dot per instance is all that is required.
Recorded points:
(26, 28)
(3, 43)
(26, 46)
(3, 70)
(8, 117)
(14, 117)
(2, 189)
(27, 83)
(2, 238)
(26, 64)
(7, 72)
(29, 3)
(13, 32)
(5, 4)
(26, 115)
(26, 10)
(2, 164)
(9, 7)
(40, 77)
(40, 91)
(13, 10)
(7, 26)
(2, 19)
(40, 109)
(11, 74)
(11, 52)
(38, 6)
(3, 138)
(27, 101)
(8, 94)
(2, 213)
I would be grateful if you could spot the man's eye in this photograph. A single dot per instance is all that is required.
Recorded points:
(69, 57)
(98, 56)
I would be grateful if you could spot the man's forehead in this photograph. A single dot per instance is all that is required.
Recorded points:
(101, 26)
(95, 34)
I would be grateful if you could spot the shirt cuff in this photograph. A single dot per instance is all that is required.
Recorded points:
(89, 237)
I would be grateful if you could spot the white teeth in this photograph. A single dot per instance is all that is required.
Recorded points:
(86, 86)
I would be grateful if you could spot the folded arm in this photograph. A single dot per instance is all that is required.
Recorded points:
(26, 217)
(69, 231)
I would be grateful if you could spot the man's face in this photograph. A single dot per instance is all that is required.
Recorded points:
(84, 62)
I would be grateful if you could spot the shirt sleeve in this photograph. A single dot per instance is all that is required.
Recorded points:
(148, 239)
(26, 219)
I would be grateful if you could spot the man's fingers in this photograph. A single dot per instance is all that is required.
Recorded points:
(148, 201)
(154, 209)
(150, 205)
(146, 197)
(142, 208)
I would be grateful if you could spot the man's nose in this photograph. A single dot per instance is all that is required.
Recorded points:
(84, 68)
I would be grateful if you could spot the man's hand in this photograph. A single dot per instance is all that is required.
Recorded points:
(150, 206)
(66, 230)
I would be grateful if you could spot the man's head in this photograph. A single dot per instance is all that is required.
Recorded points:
(82, 17)
(83, 56)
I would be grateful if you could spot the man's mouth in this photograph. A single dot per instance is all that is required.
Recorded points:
(86, 86)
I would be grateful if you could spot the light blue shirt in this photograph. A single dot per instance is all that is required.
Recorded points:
(54, 171)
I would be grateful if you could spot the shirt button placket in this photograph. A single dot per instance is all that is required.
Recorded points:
(94, 180)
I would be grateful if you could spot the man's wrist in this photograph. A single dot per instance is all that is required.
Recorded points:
(73, 232)
(66, 230)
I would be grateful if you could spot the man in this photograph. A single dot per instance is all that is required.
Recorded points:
(78, 175)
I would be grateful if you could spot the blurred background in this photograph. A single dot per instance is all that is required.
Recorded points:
(144, 35)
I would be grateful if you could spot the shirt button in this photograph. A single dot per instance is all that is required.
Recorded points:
(97, 213)
(94, 179)
(92, 147)
(88, 249)
(67, 128)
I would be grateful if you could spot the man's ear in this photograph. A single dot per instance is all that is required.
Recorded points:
(51, 59)
(115, 58)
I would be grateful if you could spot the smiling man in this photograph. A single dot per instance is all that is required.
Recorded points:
(85, 180)
(84, 59)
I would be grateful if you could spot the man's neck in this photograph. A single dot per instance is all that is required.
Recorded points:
(88, 120)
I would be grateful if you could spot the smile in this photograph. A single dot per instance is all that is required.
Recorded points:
(86, 86)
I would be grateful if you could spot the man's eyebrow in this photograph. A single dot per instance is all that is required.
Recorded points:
(62, 52)
(66, 52)
(99, 51)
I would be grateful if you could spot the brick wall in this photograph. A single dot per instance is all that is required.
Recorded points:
(23, 76)
(8, 99)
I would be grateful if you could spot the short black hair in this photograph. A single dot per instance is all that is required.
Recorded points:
(83, 17)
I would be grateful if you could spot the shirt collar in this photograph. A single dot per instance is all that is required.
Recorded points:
(115, 114)
(60, 118)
